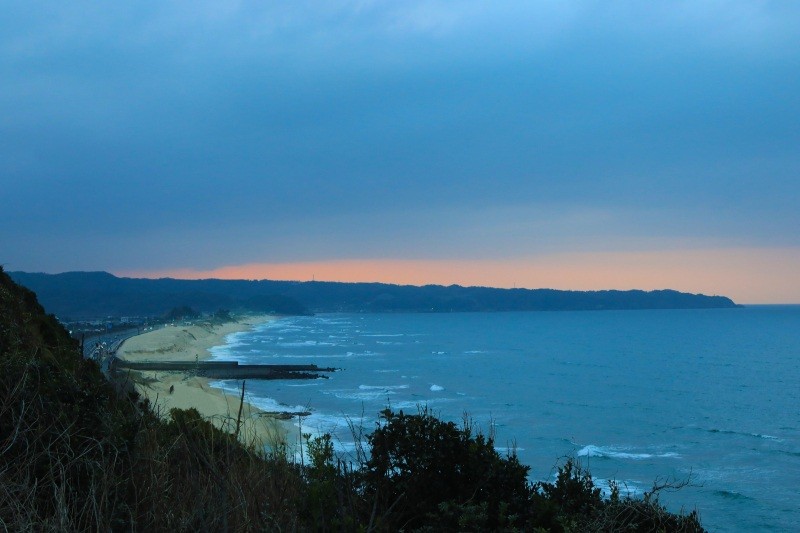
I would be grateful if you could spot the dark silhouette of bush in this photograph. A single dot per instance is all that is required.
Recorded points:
(574, 503)
(183, 312)
(222, 315)
(423, 471)
(573, 492)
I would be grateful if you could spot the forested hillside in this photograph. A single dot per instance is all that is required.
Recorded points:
(83, 294)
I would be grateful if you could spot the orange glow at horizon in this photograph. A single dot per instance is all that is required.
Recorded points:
(746, 275)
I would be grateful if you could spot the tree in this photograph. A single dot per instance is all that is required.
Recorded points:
(181, 313)
(423, 471)
(223, 315)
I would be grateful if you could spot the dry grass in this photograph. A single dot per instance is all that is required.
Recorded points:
(135, 471)
(180, 475)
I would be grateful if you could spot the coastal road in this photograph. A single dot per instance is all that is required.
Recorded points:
(103, 348)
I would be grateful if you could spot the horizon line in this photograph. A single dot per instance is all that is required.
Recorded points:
(199, 277)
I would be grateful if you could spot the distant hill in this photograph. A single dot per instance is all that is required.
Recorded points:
(90, 294)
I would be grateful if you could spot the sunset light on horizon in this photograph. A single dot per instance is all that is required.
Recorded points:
(746, 276)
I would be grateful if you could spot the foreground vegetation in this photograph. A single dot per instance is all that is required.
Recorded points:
(78, 454)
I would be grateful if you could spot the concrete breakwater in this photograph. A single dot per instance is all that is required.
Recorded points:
(227, 369)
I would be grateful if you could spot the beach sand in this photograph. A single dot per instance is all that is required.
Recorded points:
(192, 343)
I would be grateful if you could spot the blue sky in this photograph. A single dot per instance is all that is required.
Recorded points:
(152, 138)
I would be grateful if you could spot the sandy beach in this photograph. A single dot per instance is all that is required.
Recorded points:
(168, 390)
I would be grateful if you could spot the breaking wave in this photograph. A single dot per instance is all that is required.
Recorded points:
(613, 452)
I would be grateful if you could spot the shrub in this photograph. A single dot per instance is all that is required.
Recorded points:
(423, 471)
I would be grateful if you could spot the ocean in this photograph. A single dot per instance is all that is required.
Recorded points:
(709, 396)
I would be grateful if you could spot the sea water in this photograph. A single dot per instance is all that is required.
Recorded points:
(641, 397)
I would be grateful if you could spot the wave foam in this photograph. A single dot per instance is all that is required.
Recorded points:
(305, 343)
(436, 388)
(617, 453)
(382, 387)
(507, 450)
(744, 434)
(361, 395)
(414, 404)
(263, 403)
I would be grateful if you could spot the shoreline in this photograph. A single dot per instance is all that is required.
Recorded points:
(183, 390)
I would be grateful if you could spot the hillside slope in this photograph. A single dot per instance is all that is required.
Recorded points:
(92, 294)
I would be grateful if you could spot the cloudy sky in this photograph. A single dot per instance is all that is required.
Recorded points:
(576, 145)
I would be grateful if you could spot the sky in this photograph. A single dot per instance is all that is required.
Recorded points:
(572, 145)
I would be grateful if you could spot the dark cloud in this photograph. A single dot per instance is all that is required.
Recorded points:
(376, 129)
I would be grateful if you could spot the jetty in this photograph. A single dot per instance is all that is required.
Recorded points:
(226, 369)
